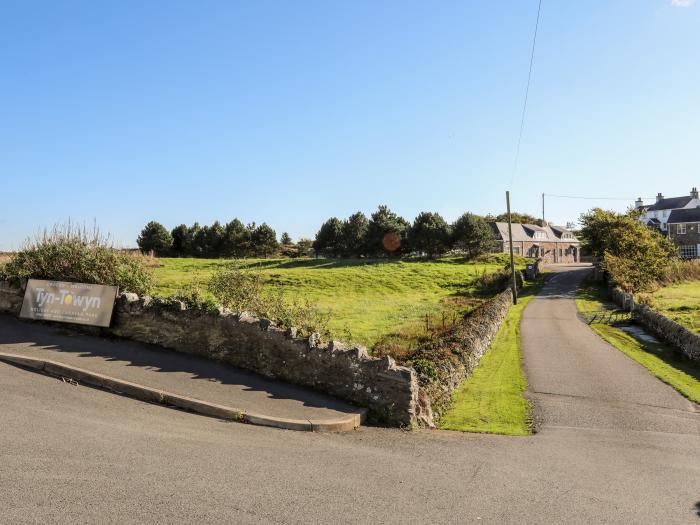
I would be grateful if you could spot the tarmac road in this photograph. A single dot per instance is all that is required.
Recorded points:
(79, 455)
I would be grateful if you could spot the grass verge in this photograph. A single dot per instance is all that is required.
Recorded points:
(662, 360)
(491, 400)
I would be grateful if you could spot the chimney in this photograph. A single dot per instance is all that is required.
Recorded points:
(639, 203)
(694, 193)
(659, 197)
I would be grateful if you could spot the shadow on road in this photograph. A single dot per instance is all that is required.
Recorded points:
(21, 337)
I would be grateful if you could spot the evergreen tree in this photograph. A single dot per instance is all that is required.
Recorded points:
(354, 235)
(329, 239)
(155, 238)
(429, 234)
(236, 241)
(182, 241)
(386, 233)
(472, 234)
(264, 241)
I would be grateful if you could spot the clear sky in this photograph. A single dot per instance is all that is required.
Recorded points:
(291, 112)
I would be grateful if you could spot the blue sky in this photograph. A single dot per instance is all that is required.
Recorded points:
(291, 112)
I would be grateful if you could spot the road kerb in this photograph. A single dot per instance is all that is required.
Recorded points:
(154, 395)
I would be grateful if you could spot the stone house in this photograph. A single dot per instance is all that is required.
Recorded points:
(683, 227)
(553, 244)
(657, 214)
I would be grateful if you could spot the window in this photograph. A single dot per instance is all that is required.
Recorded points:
(516, 250)
(689, 251)
(540, 235)
(680, 229)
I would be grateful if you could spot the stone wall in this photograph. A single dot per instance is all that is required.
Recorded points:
(395, 395)
(660, 325)
(390, 392)
(459, 351)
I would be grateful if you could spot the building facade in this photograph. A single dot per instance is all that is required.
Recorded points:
(553, 244)
(657, 215)
(683, 227)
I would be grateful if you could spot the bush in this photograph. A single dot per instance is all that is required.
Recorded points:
(73, 254)
(244, 291)
(678, 271)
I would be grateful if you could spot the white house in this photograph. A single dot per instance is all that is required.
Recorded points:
(657, 215)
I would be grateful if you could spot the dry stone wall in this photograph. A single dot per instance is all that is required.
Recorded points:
(460, 350)
(389, 391)
(660, 325)
(395, 395)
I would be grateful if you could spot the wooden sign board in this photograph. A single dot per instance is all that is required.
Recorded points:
(78, 303)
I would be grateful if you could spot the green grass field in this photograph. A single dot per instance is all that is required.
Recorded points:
(491, 400)
(369, 299)
(680, 302)
(665, 362)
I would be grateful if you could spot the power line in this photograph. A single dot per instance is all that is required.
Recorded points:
(527, 92)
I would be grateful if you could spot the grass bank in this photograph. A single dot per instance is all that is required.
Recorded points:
(378, 303)
(491, 400)
(662, 360)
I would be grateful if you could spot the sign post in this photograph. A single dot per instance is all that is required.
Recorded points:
(78, 303)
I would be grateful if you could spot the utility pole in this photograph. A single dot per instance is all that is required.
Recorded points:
(543, 223)
(514, 284)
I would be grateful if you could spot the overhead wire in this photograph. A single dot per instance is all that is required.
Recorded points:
(527, 93)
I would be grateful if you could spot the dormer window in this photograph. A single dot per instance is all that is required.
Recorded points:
(540, 235)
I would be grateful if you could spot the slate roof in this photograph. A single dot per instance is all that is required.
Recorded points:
(526, 232)
(670, 203)
(687, 215)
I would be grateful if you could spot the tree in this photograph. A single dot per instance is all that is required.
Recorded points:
(472, 234)
(304, 247)
(182, 240)
(386, 233)
(237, 240)
(329, 239)
(155, 238)
(264, 241)
(215, 239)
(194, 249)
(285, 239)
(354, 235)
(429, 234)
(515, 217)
(634, 255)
(598, 230)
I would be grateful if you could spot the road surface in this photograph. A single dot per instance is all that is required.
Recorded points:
(71, 454)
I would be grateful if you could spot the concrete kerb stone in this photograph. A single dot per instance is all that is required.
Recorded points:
(153, 395)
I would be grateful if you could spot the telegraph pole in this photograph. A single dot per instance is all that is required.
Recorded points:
(514, 284)
(543, 209)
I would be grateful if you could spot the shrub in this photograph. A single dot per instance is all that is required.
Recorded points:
(70, 253)
(678, 271)
(244, 291)
(193, 296)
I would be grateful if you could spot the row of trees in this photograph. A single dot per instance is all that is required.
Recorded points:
(386, 233)
(383, 233)
(233, 239)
